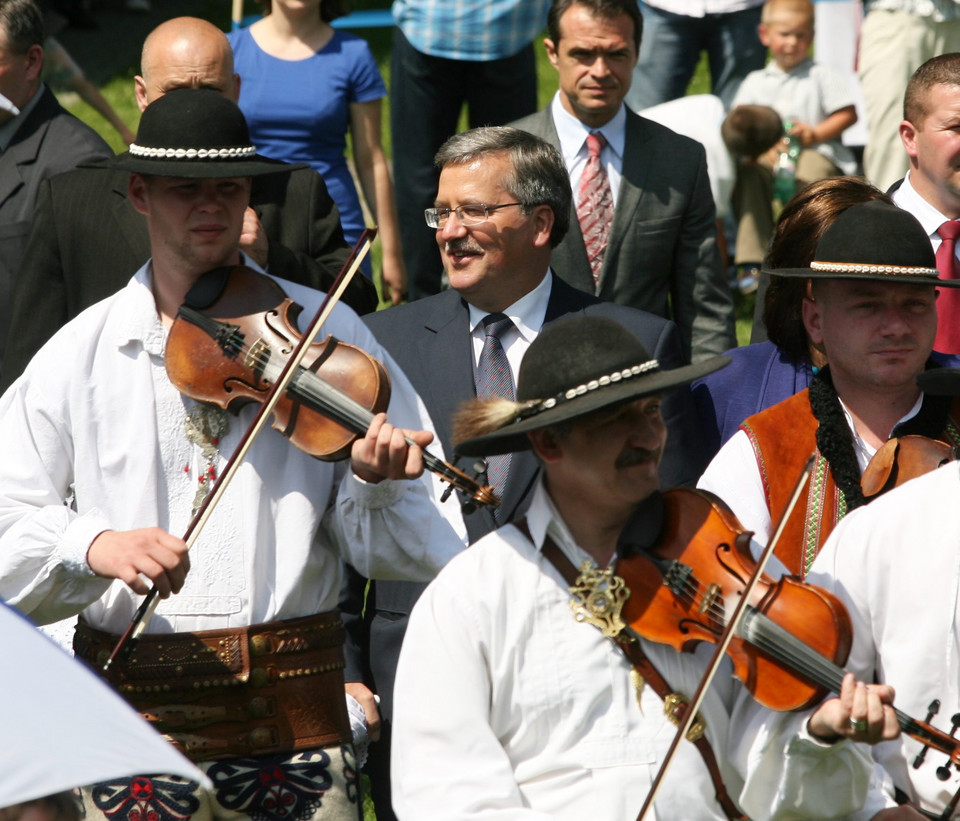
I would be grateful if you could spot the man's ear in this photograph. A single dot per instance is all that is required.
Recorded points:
(140, 90)
(546, 444)
(543, 219)
(551, 50)
(34, 62)
(137, 193)
(908, 136)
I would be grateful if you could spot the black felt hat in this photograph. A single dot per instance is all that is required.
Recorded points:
(873, 241)
(195, 133)
(574, 367)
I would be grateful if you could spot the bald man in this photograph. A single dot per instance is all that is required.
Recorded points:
(87, 239)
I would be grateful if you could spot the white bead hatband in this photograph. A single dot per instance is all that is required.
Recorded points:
(233, 153)
(534, 407)
(856, 268)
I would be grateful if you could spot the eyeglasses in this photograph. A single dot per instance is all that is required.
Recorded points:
(467, 214)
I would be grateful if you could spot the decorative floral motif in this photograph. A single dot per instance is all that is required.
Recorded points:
(163, 798)
(271, 789)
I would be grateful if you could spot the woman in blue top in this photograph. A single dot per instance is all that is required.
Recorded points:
(304, 85)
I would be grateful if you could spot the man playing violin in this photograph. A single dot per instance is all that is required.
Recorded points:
(895, 567)
(502, 205)
(871, 310)
(507, 706)
(106, 463)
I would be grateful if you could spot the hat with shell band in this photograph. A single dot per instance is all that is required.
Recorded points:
(195, 133)
(873, 241)
(574, 367)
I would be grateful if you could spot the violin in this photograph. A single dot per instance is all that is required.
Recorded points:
(902, 459)
(793, 638)
(233, 336)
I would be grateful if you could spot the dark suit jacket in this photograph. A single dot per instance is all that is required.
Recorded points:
(87, 240)
(49, 141)
(662, 252)
(430, 340)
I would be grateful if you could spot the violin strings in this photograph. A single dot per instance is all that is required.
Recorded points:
(349, 413)
(768, 636)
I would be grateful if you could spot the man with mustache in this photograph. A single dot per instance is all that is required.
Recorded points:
(871, 310)
(509, 705)
(503, 202)
(642, 229)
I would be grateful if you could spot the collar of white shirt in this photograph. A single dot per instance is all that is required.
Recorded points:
(573, 136)
(527, 315)
(140, 311)
(907, 198)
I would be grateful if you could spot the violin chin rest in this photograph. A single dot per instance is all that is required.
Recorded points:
(208, 288)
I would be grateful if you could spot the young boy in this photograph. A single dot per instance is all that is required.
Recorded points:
(817, 101)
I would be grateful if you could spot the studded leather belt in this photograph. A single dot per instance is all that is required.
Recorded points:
(268, 689)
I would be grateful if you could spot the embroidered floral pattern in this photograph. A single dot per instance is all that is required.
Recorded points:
(164, 798)
(287, 788)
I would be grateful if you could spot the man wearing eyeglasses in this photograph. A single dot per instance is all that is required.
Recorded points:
(502, 205)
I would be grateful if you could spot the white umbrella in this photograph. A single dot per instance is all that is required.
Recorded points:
(62, 727)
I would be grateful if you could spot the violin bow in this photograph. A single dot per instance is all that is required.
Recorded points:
(149, 605)
(725, 638)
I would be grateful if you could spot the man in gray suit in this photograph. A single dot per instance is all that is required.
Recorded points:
(38, 138)
(503, 202)
(656, 248)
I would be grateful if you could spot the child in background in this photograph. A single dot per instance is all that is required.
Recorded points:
(815, 99)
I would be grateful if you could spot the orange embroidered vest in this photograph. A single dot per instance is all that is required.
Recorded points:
(783, 437)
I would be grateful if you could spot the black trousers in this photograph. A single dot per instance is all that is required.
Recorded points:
(426, 96)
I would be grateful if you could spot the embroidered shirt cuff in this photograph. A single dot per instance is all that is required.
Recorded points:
(77, 539)
(375, 496)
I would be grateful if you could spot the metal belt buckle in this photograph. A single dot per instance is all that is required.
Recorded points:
(597, 598)
(672, 706)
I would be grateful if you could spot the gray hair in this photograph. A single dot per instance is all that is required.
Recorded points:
(23, 23)
(538, 175)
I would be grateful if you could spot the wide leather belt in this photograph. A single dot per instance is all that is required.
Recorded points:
(268, 689)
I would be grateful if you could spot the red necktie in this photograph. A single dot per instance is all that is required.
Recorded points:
(948, 302)
(595, 204)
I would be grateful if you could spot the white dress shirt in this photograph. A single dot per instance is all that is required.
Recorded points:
(907, 198)
(527, 315)
(506, 708)
(701, 8)
(95, 415)
(573, 145)
(895, 564)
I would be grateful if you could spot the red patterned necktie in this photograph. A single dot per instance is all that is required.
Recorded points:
(948, 302)
(595, 204)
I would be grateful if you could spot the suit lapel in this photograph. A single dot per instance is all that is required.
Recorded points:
(637, 165)
(25, 146)
(445, 352)
(565, 302)
(570, 255)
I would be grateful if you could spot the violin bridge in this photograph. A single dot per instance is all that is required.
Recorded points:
(257, 357)
(710, 598)
(597, 598)
(674, 707)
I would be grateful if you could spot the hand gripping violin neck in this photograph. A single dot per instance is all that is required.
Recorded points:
(232, 337)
